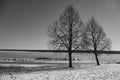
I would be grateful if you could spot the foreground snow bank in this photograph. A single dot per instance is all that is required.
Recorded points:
(103, 72)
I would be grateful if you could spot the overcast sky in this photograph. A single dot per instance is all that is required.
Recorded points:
(24, 23)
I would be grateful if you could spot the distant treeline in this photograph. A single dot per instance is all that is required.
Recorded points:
(46, 58)
(61, 51)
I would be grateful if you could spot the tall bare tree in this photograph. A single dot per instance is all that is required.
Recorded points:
(95, 38)
(66, 32)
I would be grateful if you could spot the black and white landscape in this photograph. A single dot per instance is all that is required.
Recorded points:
(59, 40)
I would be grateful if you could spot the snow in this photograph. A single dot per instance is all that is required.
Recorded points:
(25, 65)
(103, 72)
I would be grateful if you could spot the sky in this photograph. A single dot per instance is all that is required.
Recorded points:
(24, 23)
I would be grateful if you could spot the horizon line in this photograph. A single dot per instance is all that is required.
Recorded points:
(74, 51)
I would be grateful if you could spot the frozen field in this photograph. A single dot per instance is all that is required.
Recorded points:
(44, 70)
(85, 72)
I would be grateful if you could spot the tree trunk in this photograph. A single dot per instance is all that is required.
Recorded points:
(70, 58)
(96, 57)
(70, 45)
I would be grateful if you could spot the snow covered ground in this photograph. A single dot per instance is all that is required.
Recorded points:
(85, 72)
(25, 65)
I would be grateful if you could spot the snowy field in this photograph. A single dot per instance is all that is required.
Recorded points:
(85, 72)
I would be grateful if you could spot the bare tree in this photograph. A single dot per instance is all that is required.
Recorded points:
(95, 38)
(66, 32)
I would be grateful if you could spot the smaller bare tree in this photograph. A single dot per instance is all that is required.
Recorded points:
(95, 38)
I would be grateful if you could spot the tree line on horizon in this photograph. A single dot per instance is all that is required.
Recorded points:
(69, 32)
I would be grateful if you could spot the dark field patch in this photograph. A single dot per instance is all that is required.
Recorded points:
(51, 66)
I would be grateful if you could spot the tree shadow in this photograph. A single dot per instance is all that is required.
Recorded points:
(49, 68)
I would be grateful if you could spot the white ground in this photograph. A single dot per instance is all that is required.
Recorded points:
(43, 61)
(103, 72)
(25, 65)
